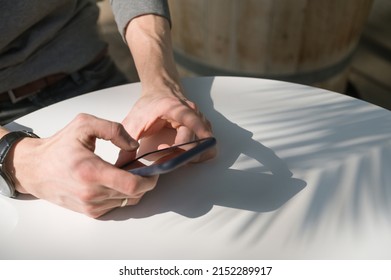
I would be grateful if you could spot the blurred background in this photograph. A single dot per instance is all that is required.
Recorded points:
(340, 45)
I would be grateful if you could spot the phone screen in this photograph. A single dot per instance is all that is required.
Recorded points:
(168, 159)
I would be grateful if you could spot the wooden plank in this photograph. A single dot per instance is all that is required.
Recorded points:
(220, 32)
(188, 31)
(270, 37)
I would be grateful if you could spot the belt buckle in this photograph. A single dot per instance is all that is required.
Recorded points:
(15, 99)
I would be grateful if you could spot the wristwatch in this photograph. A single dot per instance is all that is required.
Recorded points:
(7, 187)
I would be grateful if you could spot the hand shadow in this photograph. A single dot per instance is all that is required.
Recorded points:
(193, 190)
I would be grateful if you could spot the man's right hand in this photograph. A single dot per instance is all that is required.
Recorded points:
(64, 169)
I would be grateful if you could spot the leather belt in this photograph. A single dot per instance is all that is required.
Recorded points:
(17, 94)
(20, 93)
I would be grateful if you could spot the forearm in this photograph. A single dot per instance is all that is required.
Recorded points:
(149, 41)
(162, 103)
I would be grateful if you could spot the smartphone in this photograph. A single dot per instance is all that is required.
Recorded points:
(165, 160)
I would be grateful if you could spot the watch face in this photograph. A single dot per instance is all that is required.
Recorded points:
(5, 188)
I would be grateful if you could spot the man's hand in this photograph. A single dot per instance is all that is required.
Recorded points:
(163, 103)
(63, 168)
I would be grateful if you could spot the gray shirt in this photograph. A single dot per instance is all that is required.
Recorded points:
(39, 37)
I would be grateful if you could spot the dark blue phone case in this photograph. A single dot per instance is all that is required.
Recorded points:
(173, 163)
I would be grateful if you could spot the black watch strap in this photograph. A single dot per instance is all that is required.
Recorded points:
(10, 139)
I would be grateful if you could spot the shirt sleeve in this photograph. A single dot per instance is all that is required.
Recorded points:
(126, 10)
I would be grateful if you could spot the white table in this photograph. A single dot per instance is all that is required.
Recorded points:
(244, 204)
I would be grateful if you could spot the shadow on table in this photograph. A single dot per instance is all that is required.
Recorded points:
(193, 190)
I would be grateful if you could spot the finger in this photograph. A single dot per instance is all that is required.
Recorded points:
(183, 135)
(124, 182)
(107, 130)
(119, 202)
(99, 209)
(188, 103)
(195, 122)
(186, 114)
(127, 201)
(125, 157)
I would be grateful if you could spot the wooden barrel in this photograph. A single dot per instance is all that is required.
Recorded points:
(304, 41)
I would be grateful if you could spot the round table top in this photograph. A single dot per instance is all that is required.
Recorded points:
(302, 173)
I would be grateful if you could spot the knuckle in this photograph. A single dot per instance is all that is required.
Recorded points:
(140, 185)
(131, 189)
(86, 196)
(192, 105)
(116, 129)
(91, 211)
(93, 215)
(82, 118)
(88, 203)
(85, 176)
(85, 173)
